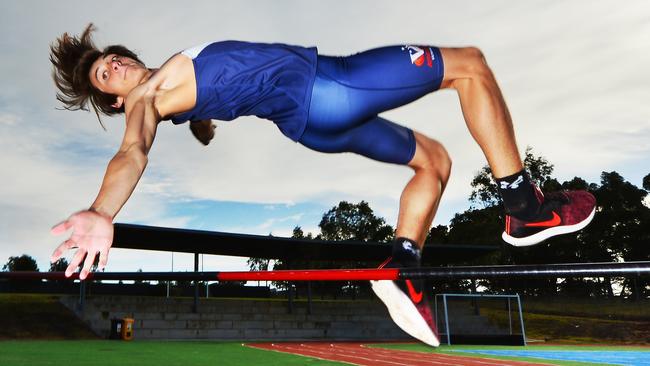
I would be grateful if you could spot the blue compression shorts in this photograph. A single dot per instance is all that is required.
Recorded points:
(350, 92)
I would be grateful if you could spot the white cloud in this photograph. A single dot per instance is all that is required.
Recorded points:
(277, 226)
(9, 119)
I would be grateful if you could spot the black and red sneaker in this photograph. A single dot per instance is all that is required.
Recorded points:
(408, 305)
(560, 213)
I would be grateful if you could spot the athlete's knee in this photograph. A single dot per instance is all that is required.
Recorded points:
(464, 63)
(442, 161)
(473, 54)
(478, 65)
(432, 157)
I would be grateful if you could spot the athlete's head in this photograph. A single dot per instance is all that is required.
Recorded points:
(86, 76)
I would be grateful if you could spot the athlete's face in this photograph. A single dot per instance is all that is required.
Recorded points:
(117, 75)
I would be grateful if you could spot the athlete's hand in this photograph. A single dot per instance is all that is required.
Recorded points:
(203, 130)
(92, 233)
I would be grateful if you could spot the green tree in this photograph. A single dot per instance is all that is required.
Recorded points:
(621, 227)
(59, 266)
(438, 235)
(349, 221)
(299, 234)
(22, 263)
(258, 264)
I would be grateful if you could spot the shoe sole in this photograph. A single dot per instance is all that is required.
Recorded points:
(545, 234)
(403, 312)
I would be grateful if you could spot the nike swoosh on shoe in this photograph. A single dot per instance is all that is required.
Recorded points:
(415, 296)
(555, 221)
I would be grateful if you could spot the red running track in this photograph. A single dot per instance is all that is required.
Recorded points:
(359, 354)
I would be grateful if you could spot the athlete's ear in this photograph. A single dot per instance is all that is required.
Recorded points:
(118, 103)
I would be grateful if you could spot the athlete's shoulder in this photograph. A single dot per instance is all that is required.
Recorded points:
(175, 71)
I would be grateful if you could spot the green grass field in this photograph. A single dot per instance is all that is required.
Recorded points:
(143, 353)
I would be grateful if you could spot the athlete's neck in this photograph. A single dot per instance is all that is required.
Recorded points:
(147, 76)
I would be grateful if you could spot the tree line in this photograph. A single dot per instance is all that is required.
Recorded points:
(620, 231)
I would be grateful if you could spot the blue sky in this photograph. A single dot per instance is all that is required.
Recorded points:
(574, 74)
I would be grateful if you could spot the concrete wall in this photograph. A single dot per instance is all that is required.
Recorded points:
(233, 319)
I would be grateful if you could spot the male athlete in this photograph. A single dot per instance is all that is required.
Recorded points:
(329, 104)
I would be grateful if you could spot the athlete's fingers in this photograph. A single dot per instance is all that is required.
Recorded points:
(60, 228)
(75, 262)
(88, 263)
(58, 252)
(103, 259)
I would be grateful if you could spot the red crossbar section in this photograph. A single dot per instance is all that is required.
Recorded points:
(312, 275)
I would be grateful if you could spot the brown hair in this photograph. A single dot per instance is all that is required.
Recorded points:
(71, 58)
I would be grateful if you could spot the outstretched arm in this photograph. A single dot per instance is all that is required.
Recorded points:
(128, 164)
(93, 228)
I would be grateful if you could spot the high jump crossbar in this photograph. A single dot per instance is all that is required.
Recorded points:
(569, 270)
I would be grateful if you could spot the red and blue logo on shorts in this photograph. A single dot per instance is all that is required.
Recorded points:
(419, 55)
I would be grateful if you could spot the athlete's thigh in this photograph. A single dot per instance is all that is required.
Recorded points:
(376, 138)
(373, 81)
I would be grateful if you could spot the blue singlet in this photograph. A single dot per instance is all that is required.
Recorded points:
(271, 81)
